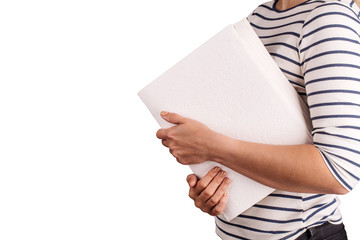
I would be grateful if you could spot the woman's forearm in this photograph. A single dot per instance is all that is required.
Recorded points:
(294, 168)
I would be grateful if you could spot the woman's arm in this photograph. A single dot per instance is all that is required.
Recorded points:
(295, 168)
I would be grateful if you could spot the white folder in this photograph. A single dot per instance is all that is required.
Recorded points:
(232, 85)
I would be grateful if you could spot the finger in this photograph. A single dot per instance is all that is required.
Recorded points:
(213, 186)
(220, 207)
(191, 179)
(194, 192)
(164, 142)
(172, 117)
(214, 200)
(174, 153)
(204, 182)
(162, 133)
(210, 190)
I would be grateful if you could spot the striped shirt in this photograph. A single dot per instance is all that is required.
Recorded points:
(316, 44)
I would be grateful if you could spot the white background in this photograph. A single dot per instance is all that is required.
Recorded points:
(78, 154)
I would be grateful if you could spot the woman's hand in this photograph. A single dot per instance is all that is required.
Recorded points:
(209, 193)
(189, 141)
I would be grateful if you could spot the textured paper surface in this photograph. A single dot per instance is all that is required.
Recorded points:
(232, 85)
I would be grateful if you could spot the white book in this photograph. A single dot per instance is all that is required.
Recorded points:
(232, 85)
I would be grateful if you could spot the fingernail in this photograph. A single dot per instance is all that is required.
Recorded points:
(163, 113)
(227, 180)
(223, 173)
(216, 169)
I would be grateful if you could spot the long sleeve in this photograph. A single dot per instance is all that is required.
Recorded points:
(329, 50)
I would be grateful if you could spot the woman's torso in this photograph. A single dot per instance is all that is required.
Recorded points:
(284, 215)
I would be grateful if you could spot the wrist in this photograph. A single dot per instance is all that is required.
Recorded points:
(220, 147)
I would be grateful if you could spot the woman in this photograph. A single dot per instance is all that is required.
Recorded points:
(316, 43)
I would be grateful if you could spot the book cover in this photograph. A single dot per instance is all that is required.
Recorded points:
(232, 85)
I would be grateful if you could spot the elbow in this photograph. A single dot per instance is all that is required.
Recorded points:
(333, 186)
(340, 190)
(337, 188)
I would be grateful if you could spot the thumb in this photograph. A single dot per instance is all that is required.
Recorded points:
(192, 180)
(172, 117)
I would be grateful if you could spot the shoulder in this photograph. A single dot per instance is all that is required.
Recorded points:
(330, 34)
(334, 12)
(333, 5)
(331, 19)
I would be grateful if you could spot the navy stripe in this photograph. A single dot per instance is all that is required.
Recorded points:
(335, 116)
(329, 26)
(331, 66)
(278, 208)
(332, 78)
(312, 197)
(333, 91)
(337, 146)
(271, 220)
(332, 213)
(343, 158)
(346, 127)
(328, 40)
(252, 229)
(284, 196)
(330, 52)
(352, 175)
(280, 18)
(273, 9)
(283, 44)
(267, 7)
(330, 13)
(334, 104)
(320, 209)
(338, 4)
(336, 173)
(315, 129)
(316, 224)
(230, 234)
(349, 127)
(316, 206)
(280, 26)
(285, 58)
(338, 135)
(279, 34)
(335, 221)
(297, 84)
(292, 74)
(308, 2)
